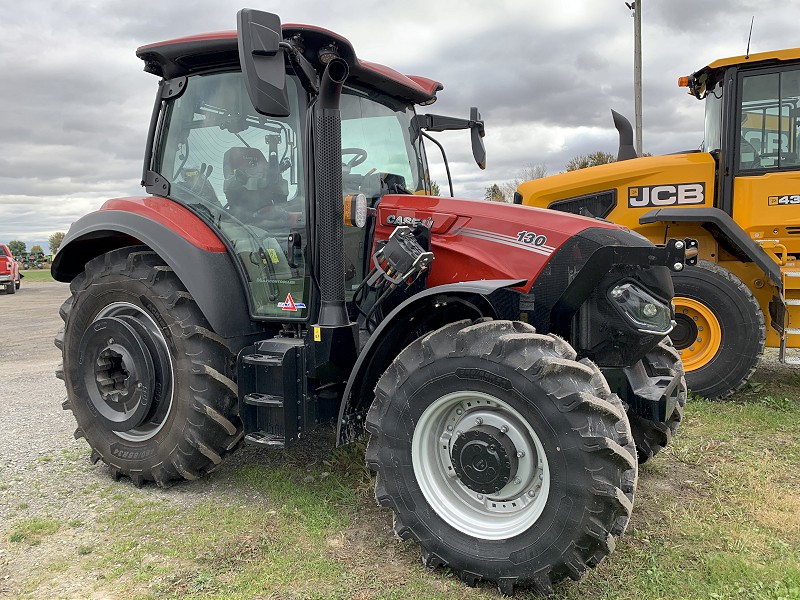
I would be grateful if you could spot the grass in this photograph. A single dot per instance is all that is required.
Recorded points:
(717, 515)
(36, 275)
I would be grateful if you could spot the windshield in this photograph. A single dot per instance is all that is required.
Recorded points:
(244, 173)
(379, 143)
(713, 130)
(382, 152)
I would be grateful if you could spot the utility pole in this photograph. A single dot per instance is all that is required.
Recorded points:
(637, 71)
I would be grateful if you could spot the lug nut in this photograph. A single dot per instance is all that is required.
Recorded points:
(520, 454)
(679, 245)
(110, 341)
(677, 267)
(517, 481)
(532, 494)
(480, 496)
(478, 421)
(449, 428)
(459, 411)
(504, 429)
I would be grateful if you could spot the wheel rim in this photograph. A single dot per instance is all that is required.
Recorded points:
(455, 475)
(127, 371)
(697, 334)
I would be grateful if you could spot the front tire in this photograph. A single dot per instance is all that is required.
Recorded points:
(149, 383)
(720, 330)
(540, 482)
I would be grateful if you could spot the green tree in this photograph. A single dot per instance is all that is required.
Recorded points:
(494, 193)
(17, 247)
(37, 248)
(55, 240)
(592, 159)
(435, 191)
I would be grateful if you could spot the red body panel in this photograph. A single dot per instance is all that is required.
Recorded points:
(173, 216)
(475, 240)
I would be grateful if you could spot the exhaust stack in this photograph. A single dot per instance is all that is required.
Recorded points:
(626, 148)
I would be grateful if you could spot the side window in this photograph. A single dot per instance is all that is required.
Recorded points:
(770, 107)
(244, 173)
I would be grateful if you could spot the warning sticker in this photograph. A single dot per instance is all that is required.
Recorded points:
(290, 304)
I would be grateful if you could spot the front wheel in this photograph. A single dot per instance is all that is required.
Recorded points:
(505, 458)
(149, 383)
(719, 332)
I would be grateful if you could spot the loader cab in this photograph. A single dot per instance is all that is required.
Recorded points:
(752, 105)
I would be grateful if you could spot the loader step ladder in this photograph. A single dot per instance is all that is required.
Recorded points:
(271, 381)
(790, 278)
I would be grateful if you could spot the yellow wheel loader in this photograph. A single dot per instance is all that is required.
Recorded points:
(739, 196)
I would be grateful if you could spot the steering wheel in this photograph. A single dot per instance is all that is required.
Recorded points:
(359, 156)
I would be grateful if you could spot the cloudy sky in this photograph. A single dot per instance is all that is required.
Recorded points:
(544, 73)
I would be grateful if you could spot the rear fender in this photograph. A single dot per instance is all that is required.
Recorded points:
(188, 246)
(424, 312)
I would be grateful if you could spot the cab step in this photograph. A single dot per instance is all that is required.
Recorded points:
(271, 391)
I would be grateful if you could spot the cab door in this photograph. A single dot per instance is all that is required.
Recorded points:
(766, 191)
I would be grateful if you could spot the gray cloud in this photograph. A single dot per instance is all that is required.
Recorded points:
(545, 74)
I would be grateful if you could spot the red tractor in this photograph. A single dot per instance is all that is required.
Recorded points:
(289, 268)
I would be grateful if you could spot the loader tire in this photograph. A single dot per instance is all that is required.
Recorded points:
(653, 436)
(501, 455)
(720, 330)
(150, 385)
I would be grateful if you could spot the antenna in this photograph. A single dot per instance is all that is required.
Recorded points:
(747, 54)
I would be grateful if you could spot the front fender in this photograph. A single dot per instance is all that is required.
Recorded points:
(186, 244)
(416, 316)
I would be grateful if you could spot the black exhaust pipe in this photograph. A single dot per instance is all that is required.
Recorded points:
(330, 208)
(626, 148)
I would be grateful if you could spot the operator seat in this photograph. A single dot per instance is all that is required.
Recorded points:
(252, 183)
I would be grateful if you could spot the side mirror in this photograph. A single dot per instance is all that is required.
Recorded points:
(477, 131)
(262, 61)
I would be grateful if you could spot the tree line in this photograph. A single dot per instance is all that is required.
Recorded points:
(504, 192)
(18, 247)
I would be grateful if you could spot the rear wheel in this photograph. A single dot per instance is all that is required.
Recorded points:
(719, 332)
(653, 436)
(11, 287)
(502, 456)
(149, 383)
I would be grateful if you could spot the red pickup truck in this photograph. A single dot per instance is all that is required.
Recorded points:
(9, 270)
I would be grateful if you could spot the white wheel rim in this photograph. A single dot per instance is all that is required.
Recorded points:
(501, 515)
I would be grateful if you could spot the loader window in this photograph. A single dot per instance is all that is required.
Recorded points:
(243, 173)
(769, 112)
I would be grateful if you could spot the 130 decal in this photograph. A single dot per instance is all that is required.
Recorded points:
(529, 237)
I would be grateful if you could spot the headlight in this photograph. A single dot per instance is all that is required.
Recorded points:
(646, 313)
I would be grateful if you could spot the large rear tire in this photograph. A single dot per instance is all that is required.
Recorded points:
(503, 457)
(653, 436)
(150, 385)
(720, 330)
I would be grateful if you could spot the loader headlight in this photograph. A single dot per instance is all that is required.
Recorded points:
(646, 313)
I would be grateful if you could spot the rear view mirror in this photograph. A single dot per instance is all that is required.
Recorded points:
(262, 61)
(477, 131)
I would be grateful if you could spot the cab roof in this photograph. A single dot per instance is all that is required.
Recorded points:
(774, 55)
(219, 51)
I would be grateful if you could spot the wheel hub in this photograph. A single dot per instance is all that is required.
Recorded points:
(118, 372)
(484, 459)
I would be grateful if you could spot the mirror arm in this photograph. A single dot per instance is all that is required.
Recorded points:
(444, 157)
(303, 69)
